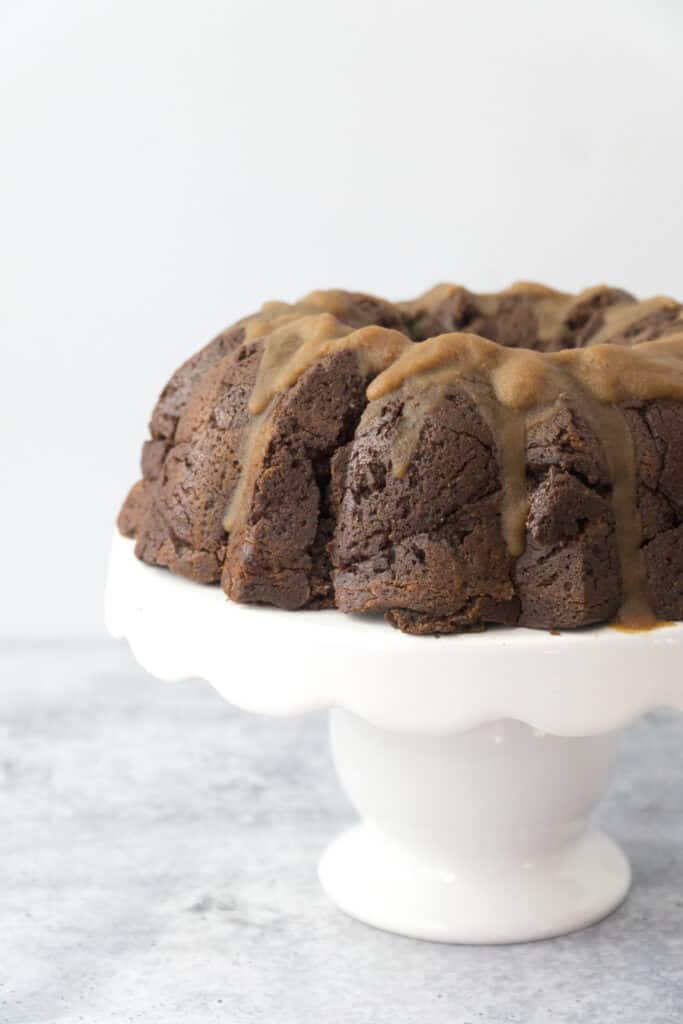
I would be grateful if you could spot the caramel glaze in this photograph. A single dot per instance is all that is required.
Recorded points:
(561, 320)
(510, 386)
(291, 344)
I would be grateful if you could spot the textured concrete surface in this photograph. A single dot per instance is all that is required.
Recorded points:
(158, 854)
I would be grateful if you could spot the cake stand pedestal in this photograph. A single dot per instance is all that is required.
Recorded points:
(474, 761)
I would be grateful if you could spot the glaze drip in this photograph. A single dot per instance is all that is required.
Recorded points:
(507, 385)
(292, 344)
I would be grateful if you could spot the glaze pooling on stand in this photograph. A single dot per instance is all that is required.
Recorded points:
(259, 462)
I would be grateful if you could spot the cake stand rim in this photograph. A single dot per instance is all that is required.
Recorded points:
(372, 670)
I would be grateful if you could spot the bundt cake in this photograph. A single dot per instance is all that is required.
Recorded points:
(454, 461)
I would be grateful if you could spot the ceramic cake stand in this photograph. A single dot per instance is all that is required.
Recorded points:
(474, 761)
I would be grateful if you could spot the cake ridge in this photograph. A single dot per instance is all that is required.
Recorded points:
(289, 350)
(507, 384)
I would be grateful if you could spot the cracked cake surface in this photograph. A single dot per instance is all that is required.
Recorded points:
(451, 462)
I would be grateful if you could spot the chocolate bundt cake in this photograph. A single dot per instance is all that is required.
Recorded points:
(452, 462)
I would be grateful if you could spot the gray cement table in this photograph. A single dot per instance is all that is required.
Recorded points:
(158, 853)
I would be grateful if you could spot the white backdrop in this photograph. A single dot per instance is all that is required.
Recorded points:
(168, 165)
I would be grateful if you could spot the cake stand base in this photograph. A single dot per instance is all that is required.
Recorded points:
(377, 881)
(476, 837)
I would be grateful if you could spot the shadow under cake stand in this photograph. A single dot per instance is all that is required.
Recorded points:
(474, 761)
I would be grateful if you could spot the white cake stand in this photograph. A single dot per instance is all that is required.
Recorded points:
(474, 761)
